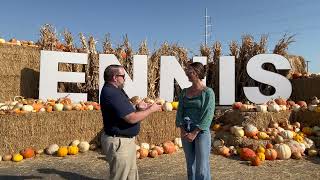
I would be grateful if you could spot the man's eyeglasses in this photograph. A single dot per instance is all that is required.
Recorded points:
(121, 75)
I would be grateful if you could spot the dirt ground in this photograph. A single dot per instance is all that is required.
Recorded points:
(91, 165)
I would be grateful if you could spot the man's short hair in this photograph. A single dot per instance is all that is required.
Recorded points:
(111, 71)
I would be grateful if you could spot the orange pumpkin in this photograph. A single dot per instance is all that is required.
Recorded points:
(27, 153)
(153, 153)
(143, 153)
(281, 101)
(247, 154)
(37, 106)
(269, 146)
(271, 154)
(168, 147)
(236, 105)
(49, 108)
(255, 161)
(302, 103)
(158, 149)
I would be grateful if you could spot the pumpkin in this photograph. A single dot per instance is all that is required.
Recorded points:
(149, 100)
(175, 105)
(262, 135)
(153, 153)
(236, 105)
(307, 131)
(278, 139)
(308, 142)
(7, 157)
(83, 146)
(216, 127)
(37, 106)
(274, 107)
(250, 130)
(145, 146)
(143, 153)
(247, 154)
(158, 149)
(224, 151)
(168, 147)
(49, 108)
(290, 104)
(296, 146)
(296, 108)
(246, 107)
(315, 100)
(2, 41)
(167, 106)
(296, 155)
(75, 143)
(262, 108)
(298, 138)
(312, 152)
(261, 156)
(287, 134)
(296, 75)
(17, 157)
(217, 143)
(53, 148)
(281, 101)
(238, 131)
(67, 107)
(27, 108)
(269, 146)
(178, 142)
(283, 151)
(302, 103)
(312, 107)
(283, 107)
(255, 161)
(270, 154)
(73, 150)
(260, 149)
(27, 153)
(135, 100)
(58, 107)
(62, 151)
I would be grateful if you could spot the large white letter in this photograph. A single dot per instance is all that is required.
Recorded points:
(50, 76)
(226, 80)
(138, 85)
(281, 84)
(170, 69)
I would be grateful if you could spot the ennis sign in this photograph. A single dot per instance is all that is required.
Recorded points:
(170, 69)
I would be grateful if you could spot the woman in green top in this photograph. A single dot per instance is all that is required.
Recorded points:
(194, 117)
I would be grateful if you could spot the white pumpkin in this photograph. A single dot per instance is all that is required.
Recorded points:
(279, 139)
(295, 147)
(90, 107)
(58, 107)
(75, 143)
(273, 107)
(167, 106)
(262, 108)
(160, 101)
(296, 108)
(283, 107)
(83, 146)
(250, 130)
(283, 151)
(308, 143)
(178, 142)
(312, 107)
(237, 131)
(287, 134)
(315, 101)
(53, 148)
(27, 108)
(145, 146)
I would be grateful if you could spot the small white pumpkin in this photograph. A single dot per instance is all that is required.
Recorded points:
(237, 131)
(53, 148)
(279, 139)
(312, 107)
(283, 107)
(58, 107)
(315, 101)
(296, 108)
(145, 146)
(75, 143)
(283, 151)
(83, 146)
(90, 107)
(273, 107)
(308, 143)
(167, 106)
(262, 108)
(27, 108)
(287, 134)
(178, 142)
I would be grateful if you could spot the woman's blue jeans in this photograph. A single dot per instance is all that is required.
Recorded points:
(197, 155)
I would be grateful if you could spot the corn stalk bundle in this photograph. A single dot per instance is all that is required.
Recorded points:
(107, 46)
(48, 37)
(124, 53)
(143, 48)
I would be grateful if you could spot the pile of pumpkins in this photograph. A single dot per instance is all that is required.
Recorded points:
(168, 147)
(20, 105)
(74, 148)
(166, 106)
(16, 42)
(298, 75)
(288, 141)
(279, 104)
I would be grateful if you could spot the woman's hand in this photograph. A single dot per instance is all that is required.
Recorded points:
(183, 133)
(192, 135)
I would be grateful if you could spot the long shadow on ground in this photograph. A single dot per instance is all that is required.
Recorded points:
(19, 177)
(64, 174)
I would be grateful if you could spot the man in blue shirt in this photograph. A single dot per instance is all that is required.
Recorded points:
(121, 124)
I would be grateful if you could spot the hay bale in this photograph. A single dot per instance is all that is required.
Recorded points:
(231, 140)
(306, 118)
(158, 127)
(19, 72)
(305, 88)
(258, 119)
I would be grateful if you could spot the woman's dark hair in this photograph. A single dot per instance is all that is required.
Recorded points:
(200, 69)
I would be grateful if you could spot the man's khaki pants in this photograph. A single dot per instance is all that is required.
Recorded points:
(121, 156)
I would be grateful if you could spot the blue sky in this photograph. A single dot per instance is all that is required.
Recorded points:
(173, 21)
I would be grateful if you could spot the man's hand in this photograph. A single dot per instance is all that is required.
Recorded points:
(142, 106)
(155, 107)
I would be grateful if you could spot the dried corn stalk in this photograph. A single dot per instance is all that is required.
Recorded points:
(107, 46)
(48, 37)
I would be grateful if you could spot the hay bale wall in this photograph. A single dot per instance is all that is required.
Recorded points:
(39, 130)
(19, 71)
(305, 88)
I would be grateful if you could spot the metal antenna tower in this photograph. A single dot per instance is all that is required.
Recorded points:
(307, 66)
(207, 27)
